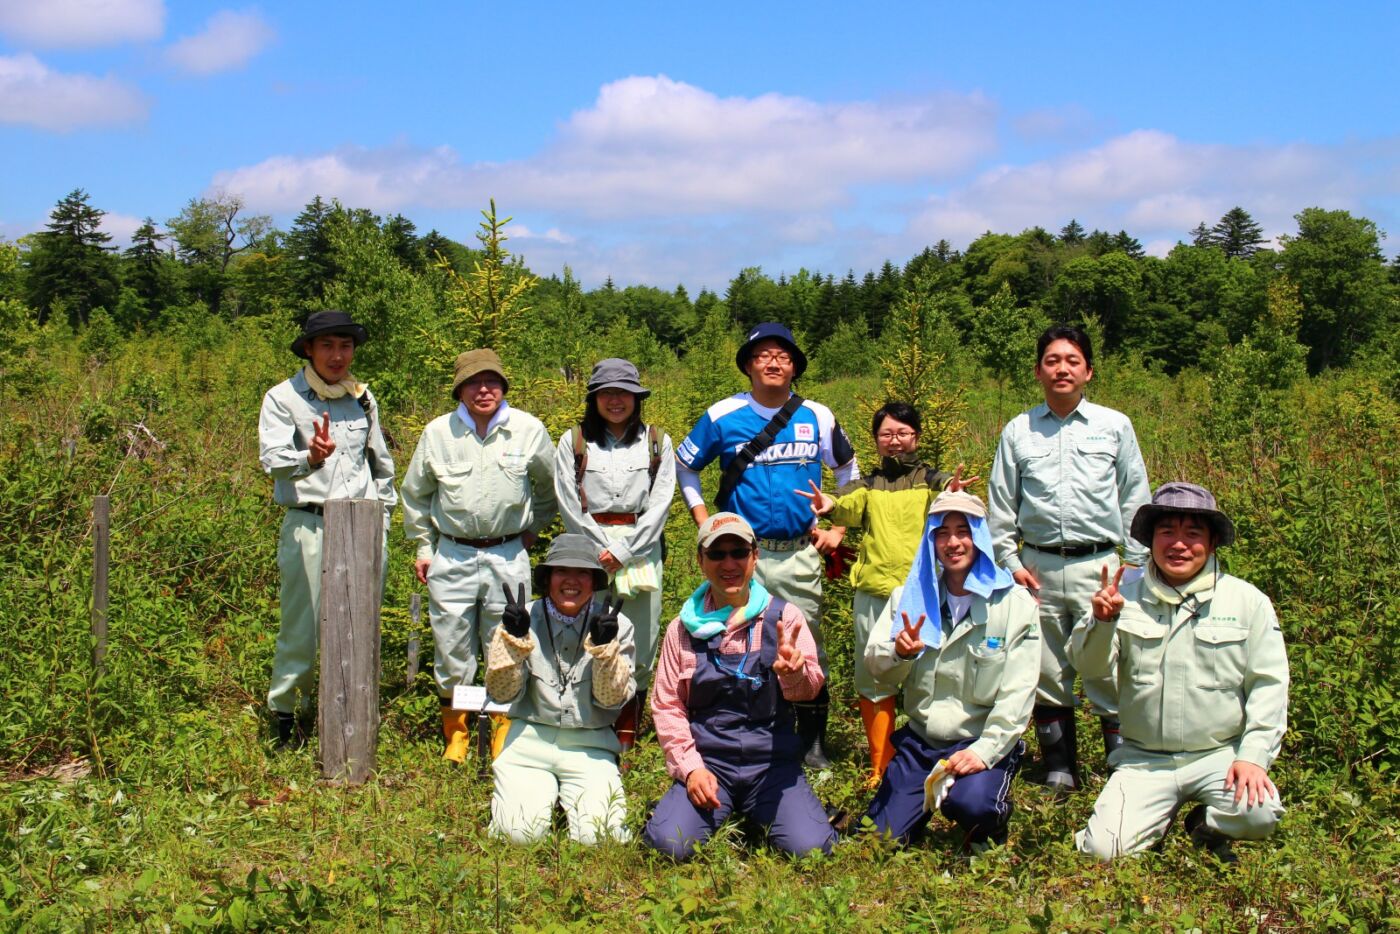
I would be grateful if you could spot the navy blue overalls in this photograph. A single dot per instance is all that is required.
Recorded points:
(744, 730)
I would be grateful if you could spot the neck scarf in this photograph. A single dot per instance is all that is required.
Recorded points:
(920, 596)
(559, 616)
(500, 415)
(1173, 596)
(706, 624)
(349, 386)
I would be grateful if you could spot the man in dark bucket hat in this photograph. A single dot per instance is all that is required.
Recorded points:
(478, 489)
(1198, 659)
(319, 439)
(770, 441)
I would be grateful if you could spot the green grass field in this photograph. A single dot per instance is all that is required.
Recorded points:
(147, 799)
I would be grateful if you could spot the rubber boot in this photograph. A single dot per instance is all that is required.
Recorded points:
(625, 726)
(290, 735)
(811, 729)
(1112, 739)
(878, 717)
(1055, 731)
(1212, 841)
(454, 731)
(641, 715)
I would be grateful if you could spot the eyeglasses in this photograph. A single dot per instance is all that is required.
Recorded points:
(489, 382)
(772, 356)
(719, 554)
(905, 435)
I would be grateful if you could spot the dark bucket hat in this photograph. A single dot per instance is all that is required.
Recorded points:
(1181, 497)
(616, 373)
(771, 330)
(329, 321)
(570, 550)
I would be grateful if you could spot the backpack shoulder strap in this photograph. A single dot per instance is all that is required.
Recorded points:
(654, 447)
(755, 446)
(580, 464)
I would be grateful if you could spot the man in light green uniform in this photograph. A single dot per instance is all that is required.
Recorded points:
(1202, 680)
(319, 439)
(1065, 483)
(479, 488)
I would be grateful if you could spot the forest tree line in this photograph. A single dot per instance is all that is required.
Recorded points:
(215, 259)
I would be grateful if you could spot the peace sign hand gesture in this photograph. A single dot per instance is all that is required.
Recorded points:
(322, 446)
(516, 617)
(908, 644)
(821, 503)
(602, 626)
(1108, 602)
(958, 484)
(790, 660)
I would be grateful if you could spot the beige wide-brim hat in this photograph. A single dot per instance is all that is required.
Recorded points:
(471, 362)
(958, 501)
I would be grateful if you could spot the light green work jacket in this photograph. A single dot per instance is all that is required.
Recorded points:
(952, 693)
(466, 486)
(1211, 672)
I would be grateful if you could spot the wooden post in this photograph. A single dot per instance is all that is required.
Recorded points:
(415, 610)
(101, 541)
(352, 566)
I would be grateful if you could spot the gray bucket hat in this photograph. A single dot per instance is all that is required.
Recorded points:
(1178, 497)
(570, 550)
(617, 373)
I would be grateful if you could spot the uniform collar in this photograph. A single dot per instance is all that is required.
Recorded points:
(1043, 411)
(500, 418)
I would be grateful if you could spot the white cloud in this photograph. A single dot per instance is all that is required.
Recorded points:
(654, 147)
(81, 23)
(228, 41)
(1157, 187)
(121, 227)
(31, 94)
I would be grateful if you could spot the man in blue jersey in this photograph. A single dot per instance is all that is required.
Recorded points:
(805, 435)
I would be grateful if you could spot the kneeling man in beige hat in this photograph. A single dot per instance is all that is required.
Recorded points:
(478, 490)
(1202, 680)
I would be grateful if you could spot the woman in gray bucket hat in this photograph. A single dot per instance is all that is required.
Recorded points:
(564, 665)
(614, 477)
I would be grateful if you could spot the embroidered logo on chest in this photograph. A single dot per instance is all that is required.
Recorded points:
(805, 432)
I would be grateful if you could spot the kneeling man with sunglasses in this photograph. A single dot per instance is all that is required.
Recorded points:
(731, 668)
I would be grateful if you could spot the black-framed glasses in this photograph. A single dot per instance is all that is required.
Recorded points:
(738, 553)
(772, 356)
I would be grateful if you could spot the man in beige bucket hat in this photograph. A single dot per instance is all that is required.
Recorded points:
(479, 488)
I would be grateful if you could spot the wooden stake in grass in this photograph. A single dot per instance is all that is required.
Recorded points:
(101, 540)
(415, 610)
(352, 566)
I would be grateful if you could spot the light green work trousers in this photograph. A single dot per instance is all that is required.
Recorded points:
(465, 603)
(1136, 807)
(299, 560)
(796, 576)
(1067, 585)
(872, 621)
(544, 764)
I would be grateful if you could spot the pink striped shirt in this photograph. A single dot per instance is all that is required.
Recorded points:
(670, 691)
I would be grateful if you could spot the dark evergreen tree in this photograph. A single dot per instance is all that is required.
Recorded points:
(70, 263)
(1072, 234)
(1237, 234)
(1201, 235)
(401, 235)
(1124, 243)
(308, 246)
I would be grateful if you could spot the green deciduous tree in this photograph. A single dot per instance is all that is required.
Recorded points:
(1004, 337)
(1335, 262)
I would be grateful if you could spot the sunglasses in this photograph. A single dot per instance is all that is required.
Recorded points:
(719, 554)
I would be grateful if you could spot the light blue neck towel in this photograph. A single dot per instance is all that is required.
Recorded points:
(706, 624)
(921, 597)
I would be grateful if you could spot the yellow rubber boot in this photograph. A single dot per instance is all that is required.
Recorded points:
(454, 730)
(879, 727)
(500, 726)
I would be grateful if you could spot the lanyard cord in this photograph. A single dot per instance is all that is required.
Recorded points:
(565, 672)
(738, 671)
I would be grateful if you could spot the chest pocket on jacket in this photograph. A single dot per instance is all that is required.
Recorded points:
(1220, 656)
(1098, 463)
(454, 486)
(1141, 642)
(985, 672)
(1039, 469)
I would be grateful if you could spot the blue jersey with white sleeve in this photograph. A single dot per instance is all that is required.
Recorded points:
(765, 494)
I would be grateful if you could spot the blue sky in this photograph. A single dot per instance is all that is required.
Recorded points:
(666, 143)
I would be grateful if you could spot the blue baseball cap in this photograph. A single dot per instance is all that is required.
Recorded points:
(771, 330)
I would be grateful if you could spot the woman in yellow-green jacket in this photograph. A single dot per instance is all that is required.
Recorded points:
(890, 506)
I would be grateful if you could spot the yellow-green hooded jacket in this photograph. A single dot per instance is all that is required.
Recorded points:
(890, 506)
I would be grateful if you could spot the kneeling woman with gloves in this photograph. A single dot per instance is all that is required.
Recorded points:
(564, 664)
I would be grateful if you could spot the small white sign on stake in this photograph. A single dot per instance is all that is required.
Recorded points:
(473, 697)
